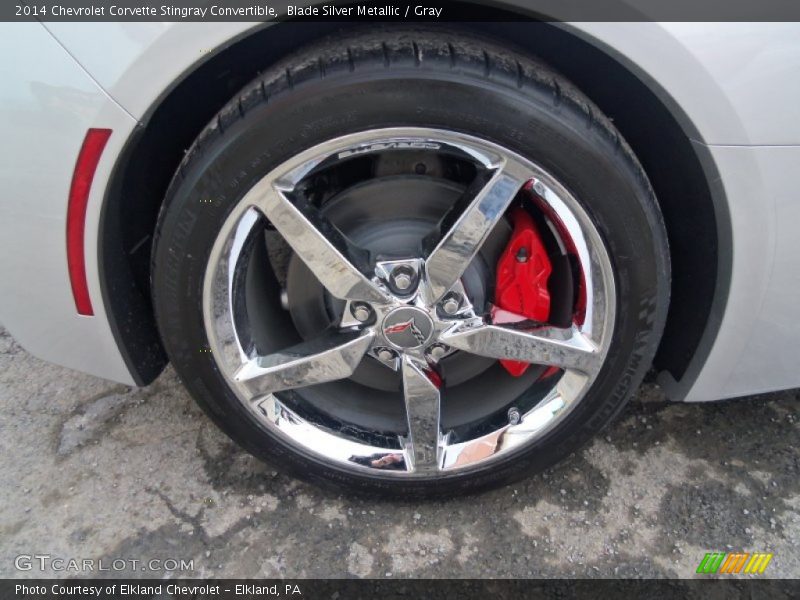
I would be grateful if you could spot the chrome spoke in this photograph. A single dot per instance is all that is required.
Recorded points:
(563, 348)
(327, 358)
(320, 245)
(422, 409)
(463, 238)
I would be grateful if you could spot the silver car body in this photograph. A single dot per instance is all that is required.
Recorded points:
(738, 85)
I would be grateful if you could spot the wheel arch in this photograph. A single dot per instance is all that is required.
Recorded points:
(680, 168)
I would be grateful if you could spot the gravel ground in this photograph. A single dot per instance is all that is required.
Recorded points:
(90, 469)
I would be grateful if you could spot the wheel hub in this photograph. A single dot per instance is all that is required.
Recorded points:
(411, 324)
(407, 327)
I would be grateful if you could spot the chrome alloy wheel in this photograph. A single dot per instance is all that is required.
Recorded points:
(407, 314)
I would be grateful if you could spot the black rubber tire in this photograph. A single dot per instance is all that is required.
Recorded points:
(409, 77)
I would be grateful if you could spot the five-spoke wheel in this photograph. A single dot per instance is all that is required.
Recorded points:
(414, 264)
(408, 312)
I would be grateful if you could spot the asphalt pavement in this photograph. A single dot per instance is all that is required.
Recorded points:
(94, 470)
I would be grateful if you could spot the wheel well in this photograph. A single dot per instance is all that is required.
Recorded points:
(660, 140)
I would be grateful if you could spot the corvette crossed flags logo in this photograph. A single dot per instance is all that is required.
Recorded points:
(406, 326)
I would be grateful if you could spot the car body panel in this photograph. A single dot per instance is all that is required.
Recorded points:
(755, 350)
(146, 59)
(719, 74)
(715, 74)
(48, 103)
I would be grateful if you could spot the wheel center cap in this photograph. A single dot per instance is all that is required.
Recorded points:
(407, 327)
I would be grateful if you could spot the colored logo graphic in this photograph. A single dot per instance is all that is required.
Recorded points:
(407, 327)
(734, 562)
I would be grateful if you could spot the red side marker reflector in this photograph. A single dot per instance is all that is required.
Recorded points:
(82, 177)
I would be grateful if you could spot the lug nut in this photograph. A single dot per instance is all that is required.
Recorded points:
(451, 305)
(522, 255)
(284, 299)
(402, 281)
(437, 351)
(362, 312)
(403, 278)
(385, 354)
(513, 416)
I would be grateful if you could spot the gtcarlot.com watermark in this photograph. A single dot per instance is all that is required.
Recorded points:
(60, 564)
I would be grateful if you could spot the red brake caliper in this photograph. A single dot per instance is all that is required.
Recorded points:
(522, 274)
